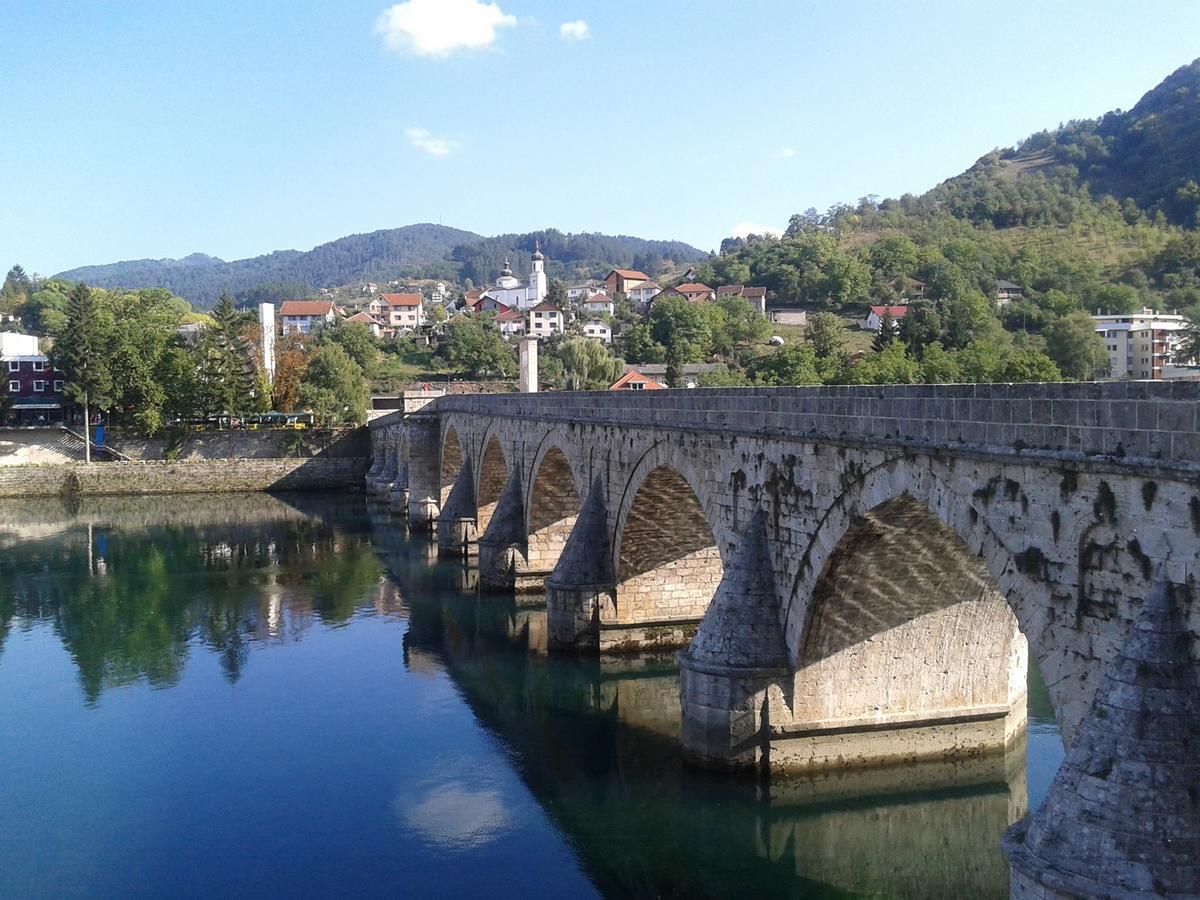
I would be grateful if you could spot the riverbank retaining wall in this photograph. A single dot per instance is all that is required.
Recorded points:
(193, 476)
(36, 446)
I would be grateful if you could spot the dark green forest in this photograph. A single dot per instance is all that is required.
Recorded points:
(414, 251)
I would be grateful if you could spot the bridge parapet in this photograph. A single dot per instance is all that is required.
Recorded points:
(1149, 422)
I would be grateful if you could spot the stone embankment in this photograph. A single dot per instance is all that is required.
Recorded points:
(47, 463)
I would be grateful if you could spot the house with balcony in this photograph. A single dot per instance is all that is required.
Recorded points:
(306, 316)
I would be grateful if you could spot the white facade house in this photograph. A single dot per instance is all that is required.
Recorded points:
(598, 304)
(510, 323)
(1141, 344)
(513, 293)
(599, 330)
(875, 319)
(12, 344)
(306, 316)
(591, 286)
(406, 312)
(545, 319)
(641, 295)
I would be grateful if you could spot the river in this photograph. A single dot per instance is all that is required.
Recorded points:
(257, 696)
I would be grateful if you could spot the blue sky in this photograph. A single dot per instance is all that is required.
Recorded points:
(135, 128)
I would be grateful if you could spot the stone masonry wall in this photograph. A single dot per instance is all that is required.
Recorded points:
(193, 476)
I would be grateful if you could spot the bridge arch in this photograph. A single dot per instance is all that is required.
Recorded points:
(553, 503)
(451, 463)
(667, 556)
(959, 557)
(493, 473)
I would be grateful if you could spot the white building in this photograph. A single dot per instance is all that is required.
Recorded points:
(1140, 344)
(513, 293)
(305, 316)
(545, 319)
(599, 330)
(401, 312)
(510, 323)
(575, 291)
(641, 295)
(877, 314)
(12, 344)
(597, 304)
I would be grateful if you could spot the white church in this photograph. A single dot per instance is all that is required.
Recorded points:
(513, 294)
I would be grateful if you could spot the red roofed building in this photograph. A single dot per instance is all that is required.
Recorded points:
(510, 323)
(305, 316)
(875, 319)
(365, 318)
(635, 381)
(405, 311)
(696, 292)
(624, 280)
(489, 304)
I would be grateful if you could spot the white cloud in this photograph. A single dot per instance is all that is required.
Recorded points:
(741, 229)
(785, 153)
(438, 28)
(573, 31)
(430, 144)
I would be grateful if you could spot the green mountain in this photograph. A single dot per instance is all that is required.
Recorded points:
(414, 251)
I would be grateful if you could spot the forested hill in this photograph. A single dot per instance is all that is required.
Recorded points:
(378, 256)
(1146, 159)
(414, 251)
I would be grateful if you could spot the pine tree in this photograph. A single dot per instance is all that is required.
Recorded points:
(230, 372)
(79, 353)
(887, 332)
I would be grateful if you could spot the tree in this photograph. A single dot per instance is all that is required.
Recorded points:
(967, 317)
(892, 365)
(794, 364)
(587, 365)
(334, 388)
(556, 293)
(79, 354)
(920, 327)
(639, 346)
(886, 335)
(743, 323)
(230, 375)
(474, 347)
(1075, 347)
(939, 366)
(825, 334)
(683, 328)
(358, 342)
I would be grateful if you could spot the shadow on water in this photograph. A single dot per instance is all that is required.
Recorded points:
(131, 586)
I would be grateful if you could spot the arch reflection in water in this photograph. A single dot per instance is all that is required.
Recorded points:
(598, 743)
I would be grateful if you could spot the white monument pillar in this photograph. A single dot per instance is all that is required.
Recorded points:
(529, 364)
(266, 318)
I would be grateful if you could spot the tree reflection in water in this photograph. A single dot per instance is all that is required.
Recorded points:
(132, 585)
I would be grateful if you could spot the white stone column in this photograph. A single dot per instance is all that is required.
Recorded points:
(528, 347)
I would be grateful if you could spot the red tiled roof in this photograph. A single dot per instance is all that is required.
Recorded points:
(478, 304)
(730, 290)
(362, 317)
(754, 292)
(631, 274)
(623, 382)
(546, 306)
(510, 315)
(472, 296)
(402, 299)
(306, 308)
(693, 288)
(897, 311)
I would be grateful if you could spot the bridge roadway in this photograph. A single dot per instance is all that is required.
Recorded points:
(856, 576)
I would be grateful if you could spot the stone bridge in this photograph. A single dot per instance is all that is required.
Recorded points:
(857, 574)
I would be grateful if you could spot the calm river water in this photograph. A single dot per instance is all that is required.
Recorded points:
(256, 696)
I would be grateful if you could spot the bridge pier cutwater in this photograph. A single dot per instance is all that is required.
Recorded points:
(854, 576)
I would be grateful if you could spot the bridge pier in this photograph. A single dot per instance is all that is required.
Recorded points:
(1122, 817)
(424, 470)
(500, 556)
(582, 583)
(456, 523)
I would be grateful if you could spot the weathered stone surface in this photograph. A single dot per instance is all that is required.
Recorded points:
(1122, 818)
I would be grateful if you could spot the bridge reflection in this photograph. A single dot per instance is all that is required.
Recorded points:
(597, 741)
